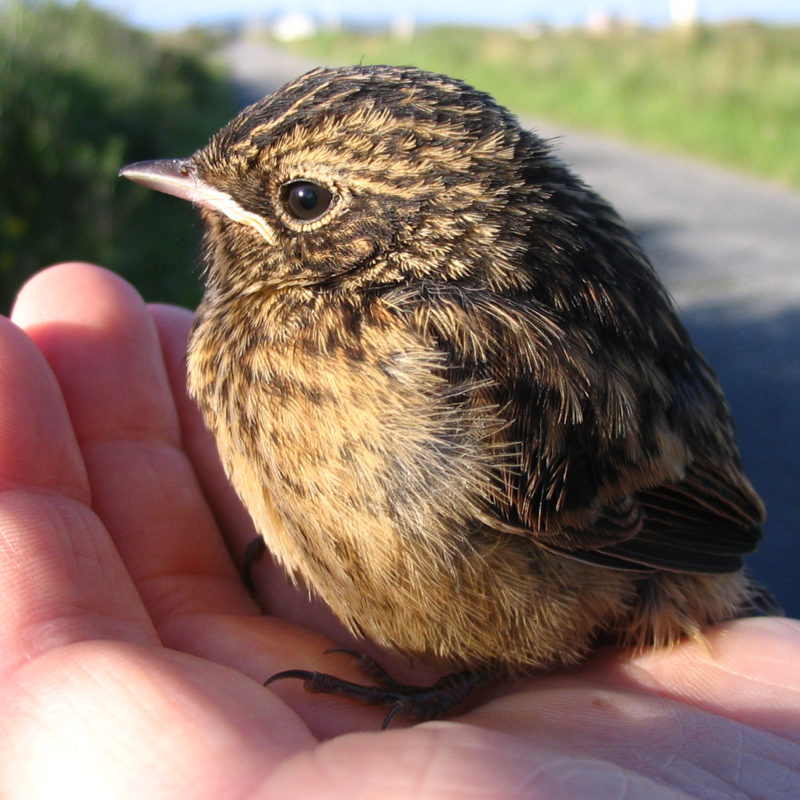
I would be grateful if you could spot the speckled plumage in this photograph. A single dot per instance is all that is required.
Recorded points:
(458, 403)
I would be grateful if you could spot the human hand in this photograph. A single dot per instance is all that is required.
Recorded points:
(132, 656)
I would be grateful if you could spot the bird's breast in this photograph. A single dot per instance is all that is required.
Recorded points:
(353, 452)
(369, 474)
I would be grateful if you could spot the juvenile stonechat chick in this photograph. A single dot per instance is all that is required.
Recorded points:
(449, 387)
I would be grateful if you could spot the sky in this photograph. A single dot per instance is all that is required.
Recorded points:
(159, 15)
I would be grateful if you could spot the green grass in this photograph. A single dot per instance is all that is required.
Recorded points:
(730, 94)
(81, 94)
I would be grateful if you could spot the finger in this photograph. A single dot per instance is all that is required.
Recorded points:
(61, 578)
(745, 670)
(103, 347)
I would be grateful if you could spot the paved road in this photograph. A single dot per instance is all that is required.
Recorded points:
(728, 248)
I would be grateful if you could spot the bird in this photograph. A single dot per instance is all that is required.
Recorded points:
(450, 389)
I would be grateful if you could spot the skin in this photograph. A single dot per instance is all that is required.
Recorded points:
(132, 655)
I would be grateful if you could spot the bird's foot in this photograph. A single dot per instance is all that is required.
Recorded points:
(418, 702)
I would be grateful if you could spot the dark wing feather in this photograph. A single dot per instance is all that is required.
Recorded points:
(623, 443)
(703, 524)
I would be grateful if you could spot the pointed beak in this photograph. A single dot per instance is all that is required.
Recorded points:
(178, 177)
(175, 176)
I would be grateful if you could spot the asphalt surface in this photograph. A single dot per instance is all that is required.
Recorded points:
(728, 248)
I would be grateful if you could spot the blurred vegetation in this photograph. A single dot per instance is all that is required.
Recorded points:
(81, 94)
(728, 93)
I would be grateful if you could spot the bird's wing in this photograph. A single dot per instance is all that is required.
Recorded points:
(703, 523)
(621, 454)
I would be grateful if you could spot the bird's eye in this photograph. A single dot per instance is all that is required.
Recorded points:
(304, 200)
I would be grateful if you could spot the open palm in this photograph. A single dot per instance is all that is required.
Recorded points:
(132, 656)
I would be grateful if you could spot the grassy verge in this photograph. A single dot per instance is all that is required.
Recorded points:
(730, 94)
(81, 94)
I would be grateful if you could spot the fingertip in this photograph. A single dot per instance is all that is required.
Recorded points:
(97, 334)
(72, 281)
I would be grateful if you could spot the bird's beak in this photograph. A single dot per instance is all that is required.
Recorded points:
(175, 176)
(178, 177)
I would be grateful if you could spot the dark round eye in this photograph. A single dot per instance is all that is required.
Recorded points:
(304, 200)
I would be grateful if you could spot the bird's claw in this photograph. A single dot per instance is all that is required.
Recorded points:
(418, 702)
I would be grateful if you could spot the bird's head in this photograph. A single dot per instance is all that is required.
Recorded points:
(363, 176)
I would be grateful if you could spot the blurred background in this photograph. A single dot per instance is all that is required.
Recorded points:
(684, 113)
